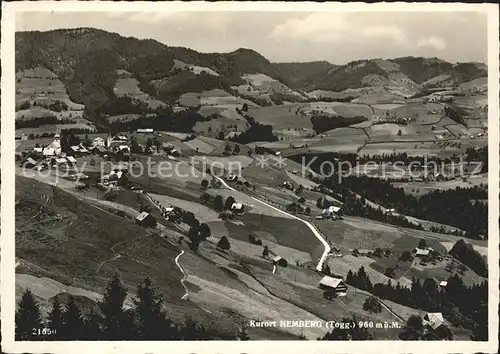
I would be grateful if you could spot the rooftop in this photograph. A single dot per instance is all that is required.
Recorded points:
(331, 282)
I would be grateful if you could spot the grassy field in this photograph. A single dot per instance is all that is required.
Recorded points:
(281, 117)
(301, 238)
(193, 68)
(42, 86)
(97, 244)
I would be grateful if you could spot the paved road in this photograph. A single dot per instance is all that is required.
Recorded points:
(316, 233)
(185, 296)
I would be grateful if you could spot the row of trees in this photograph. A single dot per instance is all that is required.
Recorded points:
(109, 320)
(402, 158)
(161, 118)
(56, 106)
(449, 207)
(322, 124)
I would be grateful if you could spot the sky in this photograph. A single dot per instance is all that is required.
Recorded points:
(338, 37)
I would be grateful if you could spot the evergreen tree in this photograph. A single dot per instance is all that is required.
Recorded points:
(55, 319)
(92, 325)
(73, 321)
(28, 317)
(150, 318)
(218, 203)
(242, 334)
(114, 323)
(190, 330)
(349, 278)
(204, 231)
(223, 243)
(236, 149)
(265, 252)
(326, 270)
(422, 244)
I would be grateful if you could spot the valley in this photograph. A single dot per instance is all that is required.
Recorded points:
(206, 173)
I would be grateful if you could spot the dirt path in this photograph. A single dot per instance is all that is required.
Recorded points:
(117, 255)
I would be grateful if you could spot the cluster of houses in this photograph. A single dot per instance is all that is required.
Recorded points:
(53, 154)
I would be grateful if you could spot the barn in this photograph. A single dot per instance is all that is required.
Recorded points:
(336, 284)
(145, 219)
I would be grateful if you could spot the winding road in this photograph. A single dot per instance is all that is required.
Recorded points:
(185, 296)
(316, 233)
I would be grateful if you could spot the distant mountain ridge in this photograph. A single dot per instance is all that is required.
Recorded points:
(87, 61)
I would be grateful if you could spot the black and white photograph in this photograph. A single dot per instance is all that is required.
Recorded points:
(250, 172)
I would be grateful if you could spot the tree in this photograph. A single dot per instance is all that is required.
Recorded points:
(378, 252)
(265, 252)
(205, 197)
(371, 304)
(223, 243)
(349, 277)
(430, 287)
(115, 324)
(236, 149)
(422, 244)
(149, 143)
(218, 203)
(134, 146)
(308, 210)
(443, 332)
(244, 108)
(405, 256)
(399, 132)
(204, 184)
(194, 233)
(149, 316)
(413, 329)
(74, 327)
(229, 203)
(55, 319)
(28, 316)
(326, 270)
(92, 325)
(227, 148)
(204, 231)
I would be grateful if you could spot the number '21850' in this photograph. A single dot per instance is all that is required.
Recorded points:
(43, 331)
